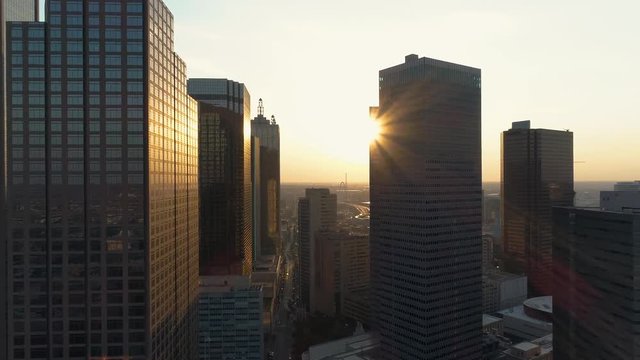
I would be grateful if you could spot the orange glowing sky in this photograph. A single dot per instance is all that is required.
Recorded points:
(562, 64)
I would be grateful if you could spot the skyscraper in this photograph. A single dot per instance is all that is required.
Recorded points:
(226, 214)
(537, 174)
(596, 293)
(268, 132)
(426, 212)
(317, 211)
(10, 10)
(101, 186)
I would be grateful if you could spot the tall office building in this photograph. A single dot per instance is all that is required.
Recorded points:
(101, 191)
(596, 294)
(268, 132)
(537, 174)
(226, 210)
(10, 10)
(426, 212)
(317, 211)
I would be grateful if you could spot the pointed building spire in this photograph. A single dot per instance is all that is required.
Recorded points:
(260, 108)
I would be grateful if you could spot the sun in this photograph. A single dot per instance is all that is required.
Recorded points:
(372, 130)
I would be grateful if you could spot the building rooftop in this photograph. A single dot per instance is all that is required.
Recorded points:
(498, 275)
(525, 346)
(488, 319)
(544, 304)
(518, 313)
(358, 347)
(226, 283)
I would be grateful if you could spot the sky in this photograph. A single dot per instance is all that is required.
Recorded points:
(561, 64)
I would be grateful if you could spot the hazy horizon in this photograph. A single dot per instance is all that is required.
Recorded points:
(562, 65)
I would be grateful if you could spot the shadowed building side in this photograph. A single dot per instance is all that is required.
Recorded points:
(426, 212)
(226, 194)
(537, 174)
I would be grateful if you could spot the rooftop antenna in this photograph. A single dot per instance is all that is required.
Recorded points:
(273, 120)
(260, 108)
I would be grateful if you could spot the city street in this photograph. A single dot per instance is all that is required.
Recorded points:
(283, 327)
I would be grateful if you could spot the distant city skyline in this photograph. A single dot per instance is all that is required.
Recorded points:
(561, 65)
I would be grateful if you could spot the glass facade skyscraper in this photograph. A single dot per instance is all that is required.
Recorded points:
(596, 293)
(426, 212)
(226, 195)
(10, 10)
(102, 186)
(269, 185)
(537, 174)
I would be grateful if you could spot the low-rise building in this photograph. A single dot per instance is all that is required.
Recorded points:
(529, 321)
(492, 325)
(539, 349)
(358, 347)
(230, 319)
(501, 290)
(356, 306)
(267, 270)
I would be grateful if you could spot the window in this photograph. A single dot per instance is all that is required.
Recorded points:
(134, 34)
(16, 32)
(134, 86)
(74, 33)
(134, 20)
(74, 60)
(113, 46)
(112, 34)
(113, 60)
(36, 60)
(134, 113)
(113, 86)
(74, 20)
(134, 60)
(134, 47)
(134, 8)
(36, 45)
(36, 73)
(111, 20)
(134, 73)
(74, 6)
(112, 7)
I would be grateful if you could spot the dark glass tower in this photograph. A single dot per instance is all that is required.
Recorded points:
(10, 10)
(537, 174)
(269, 205)
(226, 216)
(102, 245)
(426, 212)
(596, 293)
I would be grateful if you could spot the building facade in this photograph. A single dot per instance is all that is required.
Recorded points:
(268, 133)
(596, 291)
(537, 174)
(230, 319)
(502, 290)
(426, 212)
(226, 193)
(101, 186)
(342, 265)
(625, 195)
(10, 10)
(317, 211)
